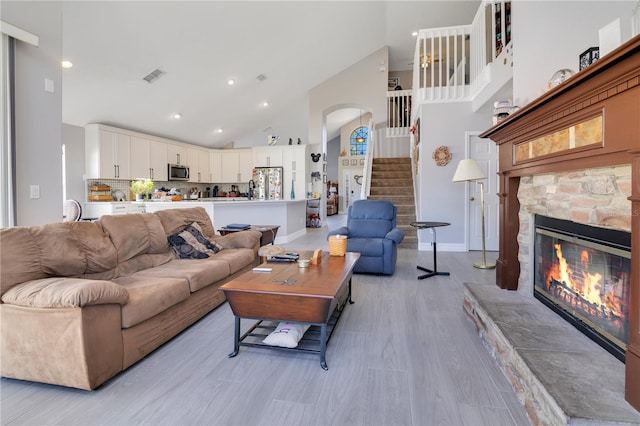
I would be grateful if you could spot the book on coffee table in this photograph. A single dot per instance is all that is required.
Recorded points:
(238, 226)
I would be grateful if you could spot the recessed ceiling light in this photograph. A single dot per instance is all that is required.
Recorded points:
(67, 64)
(415, 33)
(219, 130)
(177, 115)
(231, 82)
(264, 104)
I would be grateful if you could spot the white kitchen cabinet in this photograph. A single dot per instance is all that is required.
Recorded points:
(198, 162)
(148, 159)
(236, 165)
(215, 166)
(246, 165)
(268, 156)
(294, 163)
(107, 208)
(158, 161)
(176, 154)
(230, 166)
(107, 154)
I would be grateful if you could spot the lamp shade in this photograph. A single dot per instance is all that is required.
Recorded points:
(468, 169)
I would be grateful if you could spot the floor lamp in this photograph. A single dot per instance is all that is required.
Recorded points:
(468, 170)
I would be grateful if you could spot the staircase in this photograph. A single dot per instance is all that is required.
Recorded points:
(391, 180)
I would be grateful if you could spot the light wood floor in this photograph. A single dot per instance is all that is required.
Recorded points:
(403, 354)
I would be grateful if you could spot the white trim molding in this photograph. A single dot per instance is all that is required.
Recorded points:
(19, 34)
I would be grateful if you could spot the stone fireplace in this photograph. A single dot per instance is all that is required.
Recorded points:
(574, 153)
(589, 201)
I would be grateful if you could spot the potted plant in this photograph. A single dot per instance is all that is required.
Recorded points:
(141, 187)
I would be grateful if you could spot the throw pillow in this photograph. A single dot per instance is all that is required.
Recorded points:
(286, 335)
(190, 243)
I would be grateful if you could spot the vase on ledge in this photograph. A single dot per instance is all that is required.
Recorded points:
(293, 192)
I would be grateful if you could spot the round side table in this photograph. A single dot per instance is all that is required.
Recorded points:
(432, 226)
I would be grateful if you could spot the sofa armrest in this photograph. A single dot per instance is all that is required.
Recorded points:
(240, 239)
(396, 234)
(62, 292)
(343, 230)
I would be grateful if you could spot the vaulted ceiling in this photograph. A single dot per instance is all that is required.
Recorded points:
(200, 45)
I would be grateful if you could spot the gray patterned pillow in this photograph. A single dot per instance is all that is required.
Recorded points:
(190, 243)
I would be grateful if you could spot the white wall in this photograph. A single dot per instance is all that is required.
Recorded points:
(73, 139)
(439, 199)
(362, 85)
(293, 123)
(550, 35)
(38, 113)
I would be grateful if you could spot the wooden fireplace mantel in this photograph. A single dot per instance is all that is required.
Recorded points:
(610, 89)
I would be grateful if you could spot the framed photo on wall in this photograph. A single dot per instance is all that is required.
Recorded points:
(393, 82)
(354, 162)
(345, 162)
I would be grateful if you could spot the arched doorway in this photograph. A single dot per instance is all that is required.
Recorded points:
(344, 164)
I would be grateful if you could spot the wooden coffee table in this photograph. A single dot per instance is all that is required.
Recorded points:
(315, 295)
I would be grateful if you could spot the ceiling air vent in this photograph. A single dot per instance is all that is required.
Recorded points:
(261, 78)
(153, 76)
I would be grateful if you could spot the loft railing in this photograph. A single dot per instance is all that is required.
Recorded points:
(441, 64)
(459, 63)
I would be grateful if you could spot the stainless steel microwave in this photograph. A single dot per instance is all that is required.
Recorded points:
(178, 172)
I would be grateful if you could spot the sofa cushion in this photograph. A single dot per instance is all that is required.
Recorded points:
(198, 272)
(174, 220)
(148, 296)
(135, 234)
(190, 243)
(60, 292)
(55, 249)
(237, 258)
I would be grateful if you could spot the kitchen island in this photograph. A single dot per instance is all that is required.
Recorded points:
(289, 215)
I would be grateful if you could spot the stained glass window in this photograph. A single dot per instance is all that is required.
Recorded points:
(359, 138)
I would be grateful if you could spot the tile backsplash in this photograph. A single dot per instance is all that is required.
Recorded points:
(184, 187)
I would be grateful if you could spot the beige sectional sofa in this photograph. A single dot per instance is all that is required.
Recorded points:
(82, 301)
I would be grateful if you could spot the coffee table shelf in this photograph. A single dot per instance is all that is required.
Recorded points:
(311, 341)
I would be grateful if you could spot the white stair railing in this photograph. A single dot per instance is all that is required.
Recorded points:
(398, 113)
(365, 190)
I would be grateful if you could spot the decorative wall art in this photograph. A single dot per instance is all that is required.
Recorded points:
(415, 131)
(315, 157)
(441, 155)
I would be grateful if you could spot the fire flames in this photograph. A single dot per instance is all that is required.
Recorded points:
(588, 285)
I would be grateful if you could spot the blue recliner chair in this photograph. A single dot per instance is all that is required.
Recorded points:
(371, 231)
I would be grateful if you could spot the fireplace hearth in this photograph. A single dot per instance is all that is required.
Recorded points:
(583, 273)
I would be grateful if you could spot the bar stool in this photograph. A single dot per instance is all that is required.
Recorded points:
(432, 226)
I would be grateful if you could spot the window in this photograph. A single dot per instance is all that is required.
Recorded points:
(359, 138)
